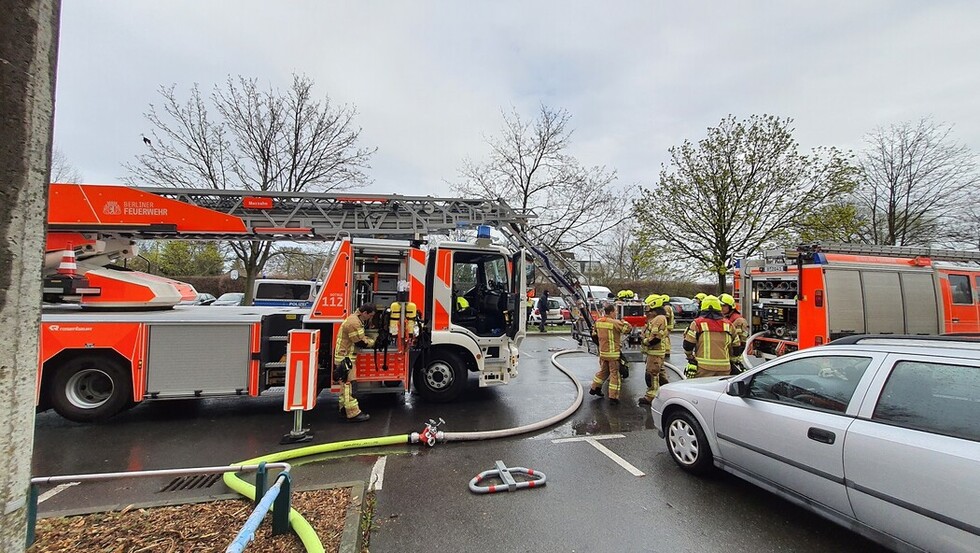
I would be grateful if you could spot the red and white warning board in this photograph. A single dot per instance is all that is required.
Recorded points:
(301, 370)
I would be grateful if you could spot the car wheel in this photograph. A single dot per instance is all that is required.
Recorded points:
(90, 388)
(440, 379)
(687, 444)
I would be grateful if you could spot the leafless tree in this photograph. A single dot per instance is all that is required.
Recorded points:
(625, 255)
(242, 137)
(61, 169)
(529, 166)
(916, 181)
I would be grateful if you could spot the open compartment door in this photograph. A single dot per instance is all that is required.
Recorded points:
(517, 329)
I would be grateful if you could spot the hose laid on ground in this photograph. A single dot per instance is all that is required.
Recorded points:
(505, 432)
(303, 529)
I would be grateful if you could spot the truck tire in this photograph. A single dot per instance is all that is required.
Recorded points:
(442, 379)
(90, 388)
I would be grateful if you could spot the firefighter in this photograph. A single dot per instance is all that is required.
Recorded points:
(739, 324)
(699, 298)
(609, 330)
(345, 359)
(669, 313)
(653, 346)
(710, 342)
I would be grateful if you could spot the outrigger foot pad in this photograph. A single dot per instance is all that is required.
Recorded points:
(297, 437)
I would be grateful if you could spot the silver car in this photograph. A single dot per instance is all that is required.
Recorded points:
(878, 434)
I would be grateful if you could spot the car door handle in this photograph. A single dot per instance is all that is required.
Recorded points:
(821, 435)
(956, 319)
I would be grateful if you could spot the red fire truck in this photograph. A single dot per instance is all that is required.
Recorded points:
(112, 337)
(811, 295)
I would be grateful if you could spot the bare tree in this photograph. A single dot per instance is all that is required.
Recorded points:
(61, 169)
(625, 255)
(529, 166)
(915, 176)
(253, 140)
(742, 188)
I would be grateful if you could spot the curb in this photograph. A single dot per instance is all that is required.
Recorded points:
(350, 539)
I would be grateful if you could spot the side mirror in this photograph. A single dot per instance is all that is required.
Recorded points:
(738, 388)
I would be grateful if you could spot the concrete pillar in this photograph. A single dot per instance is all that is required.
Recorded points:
(28, 57)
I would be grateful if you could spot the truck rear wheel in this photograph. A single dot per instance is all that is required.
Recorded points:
(90, 388)
(442, 379)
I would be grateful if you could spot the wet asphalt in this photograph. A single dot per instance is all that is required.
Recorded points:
(590, 502)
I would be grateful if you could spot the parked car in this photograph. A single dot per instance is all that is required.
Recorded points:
(685, 309)
(230, 298)
(203, 298)
(554, 316)
(879, 434)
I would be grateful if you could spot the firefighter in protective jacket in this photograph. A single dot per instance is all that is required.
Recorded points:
(652, 345)
(351, 334)
(609, 330)
(741, 326)
(710, 342)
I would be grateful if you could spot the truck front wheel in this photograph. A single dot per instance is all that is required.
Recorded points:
(441, 379)
(90, 388)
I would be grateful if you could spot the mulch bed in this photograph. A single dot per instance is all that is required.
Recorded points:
(192, 528)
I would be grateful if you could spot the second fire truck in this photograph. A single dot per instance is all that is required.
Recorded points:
(807, 296)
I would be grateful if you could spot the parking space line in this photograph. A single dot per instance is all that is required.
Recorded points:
(55, 491)
(378, 474)
(594, 441)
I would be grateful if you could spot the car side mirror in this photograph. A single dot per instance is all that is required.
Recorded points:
(738, 388)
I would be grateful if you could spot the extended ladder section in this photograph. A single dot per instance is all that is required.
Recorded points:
(886, 251)
(321, 216)
(556, 266)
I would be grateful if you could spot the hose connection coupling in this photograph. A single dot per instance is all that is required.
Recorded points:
(430, 434)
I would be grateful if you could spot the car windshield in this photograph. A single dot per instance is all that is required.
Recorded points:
(680, 299)
(231, 296)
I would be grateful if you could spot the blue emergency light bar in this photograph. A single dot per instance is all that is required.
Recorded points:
(483, 231)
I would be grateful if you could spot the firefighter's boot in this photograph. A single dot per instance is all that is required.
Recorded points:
(595, 392)
(361, 417)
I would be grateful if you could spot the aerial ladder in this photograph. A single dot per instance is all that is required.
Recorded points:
(100, 224)
(558, 268)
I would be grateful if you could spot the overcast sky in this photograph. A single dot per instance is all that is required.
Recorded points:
(429, 79)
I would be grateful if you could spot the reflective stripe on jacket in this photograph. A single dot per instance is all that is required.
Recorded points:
(655, 328)
(351, 332)
(713, 341)
(740, 325)
(610, 332)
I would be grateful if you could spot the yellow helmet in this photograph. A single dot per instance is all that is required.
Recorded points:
(700, 296)
(654, 301)
(710, 303)
(727, 299)
(665, 297)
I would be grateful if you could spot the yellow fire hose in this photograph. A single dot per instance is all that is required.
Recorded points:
(303, 529)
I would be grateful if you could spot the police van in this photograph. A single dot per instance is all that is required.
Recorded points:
(271, 292)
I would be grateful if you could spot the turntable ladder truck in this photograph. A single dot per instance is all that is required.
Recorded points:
(112, 337)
